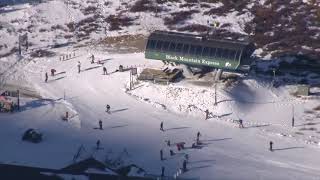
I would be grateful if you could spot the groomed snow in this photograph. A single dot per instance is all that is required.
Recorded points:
(227, 153)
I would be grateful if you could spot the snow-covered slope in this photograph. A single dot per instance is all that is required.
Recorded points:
(280, 28)
(131, 132)
(132, 127)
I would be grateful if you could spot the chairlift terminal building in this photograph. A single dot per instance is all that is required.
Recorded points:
(198, 50)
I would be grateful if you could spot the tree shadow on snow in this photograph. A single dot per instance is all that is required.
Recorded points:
(280, 149)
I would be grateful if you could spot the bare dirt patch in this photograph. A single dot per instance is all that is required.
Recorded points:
(125, 43)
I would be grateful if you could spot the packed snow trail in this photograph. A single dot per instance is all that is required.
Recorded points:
(227, 152)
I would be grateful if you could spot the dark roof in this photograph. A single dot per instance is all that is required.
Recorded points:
(84, 165)
(210, 41)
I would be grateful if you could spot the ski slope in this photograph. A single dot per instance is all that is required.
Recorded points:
(133, 125)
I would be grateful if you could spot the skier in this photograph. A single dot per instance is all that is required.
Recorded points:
(92, 59)
(79, 66)
(108, 108)
(270, 147)
(52, 72)
(161, 155)
(171, 152)
(184, 166)
(178, 147)
(186, 156)
(241, 123)
(207, 114)
(98, 144)
(162, 172)
(168, 143)
(66, 117)
(198, 136)
(161, 126)
(11, 107)
(292, 122)
(100, 124)
(104, 71)
(46, 80)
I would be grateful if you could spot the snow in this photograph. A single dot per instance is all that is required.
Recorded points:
(95, 171)
(227, 152)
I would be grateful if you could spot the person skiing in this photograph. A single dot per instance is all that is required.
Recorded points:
(92, 59)
(186, 156)
(66, 117)
(241, 123)
(168, 143)
(46, 77)
(184, 166)
(104, 71)
(178, 147)
(292, 122)
(161, 126)
(162, 171)
(198, 135)
(98, 144)
(270, 147)
(161, 155)
(52, 72)
(108, 108)
(79, 66)
(100, 124)
(171, 152)
(207, 114)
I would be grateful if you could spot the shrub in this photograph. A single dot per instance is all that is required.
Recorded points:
(202, 5)
(317, 108)
(194, 28)
(178, 17)
(117, 21)
(188, 5)
(89, 10)
(144, 5)
(191, 1)
(42, 30)
(165, 1)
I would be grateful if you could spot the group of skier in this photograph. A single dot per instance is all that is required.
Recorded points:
(108, 111)
(209, 114)
(104, 69)
(53, 71)
(180, 146)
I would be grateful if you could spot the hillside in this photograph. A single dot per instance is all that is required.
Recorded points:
(69, 107)
(276, 27)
